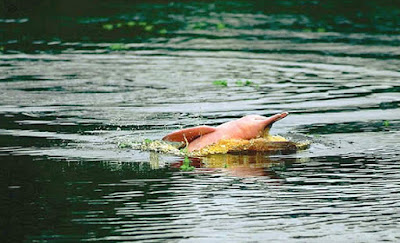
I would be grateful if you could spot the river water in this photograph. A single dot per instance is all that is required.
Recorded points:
(76, 81)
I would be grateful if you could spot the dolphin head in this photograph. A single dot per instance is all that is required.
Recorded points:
(256, 125)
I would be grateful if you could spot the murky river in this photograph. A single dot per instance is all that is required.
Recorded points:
(75, 82)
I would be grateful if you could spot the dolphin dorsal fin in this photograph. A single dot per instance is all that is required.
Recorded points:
(189, 133)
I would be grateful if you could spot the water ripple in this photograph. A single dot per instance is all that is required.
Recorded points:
(69, 96)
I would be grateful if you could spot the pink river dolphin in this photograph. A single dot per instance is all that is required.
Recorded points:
(247, 127)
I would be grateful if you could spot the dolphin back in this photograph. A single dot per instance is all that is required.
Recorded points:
(188, 134)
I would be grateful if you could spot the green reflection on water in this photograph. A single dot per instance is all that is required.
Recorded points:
(121, 21)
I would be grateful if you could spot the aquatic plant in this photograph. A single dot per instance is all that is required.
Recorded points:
(386, 123)
(245, 83)
(148, 27)
(129, 26)
(199, 26)
(184, 150)
(220, 83)
(186, 165)
(108, 26)
(203, 26)
(155, 146)
(118, 47)
(221, 26)
(319, 30)
(127, 144)
(268, 144)
(239, 83)
(131, 23)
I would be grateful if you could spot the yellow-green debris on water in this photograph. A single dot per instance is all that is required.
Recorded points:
(268, 144)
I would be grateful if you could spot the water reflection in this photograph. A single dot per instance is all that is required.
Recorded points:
(255, 195)
(210, 205)
(257, 164)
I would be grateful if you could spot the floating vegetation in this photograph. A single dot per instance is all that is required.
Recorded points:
(118, 47)
(203, 26)
(186, 165)
(148, 27)
(244, 83)
(154, 145)
(131, 23)
(125, 144)
(239, 83)
(220, 83)
(163, 31)
(220, 26)
(386, 123)
(2, 49)
(198, 26)
(108, 26)
(135, 26)
(319, 30)
(269, 145)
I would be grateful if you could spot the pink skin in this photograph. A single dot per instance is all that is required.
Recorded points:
(247, 127)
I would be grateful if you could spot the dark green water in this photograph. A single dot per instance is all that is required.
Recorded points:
(78, 77)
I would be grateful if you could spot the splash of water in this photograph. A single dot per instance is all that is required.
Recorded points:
(268, 144)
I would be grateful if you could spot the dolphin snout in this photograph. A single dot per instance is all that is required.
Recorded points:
(271, 120)
(282, 115)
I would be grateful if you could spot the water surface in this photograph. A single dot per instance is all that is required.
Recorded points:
(74, 82)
